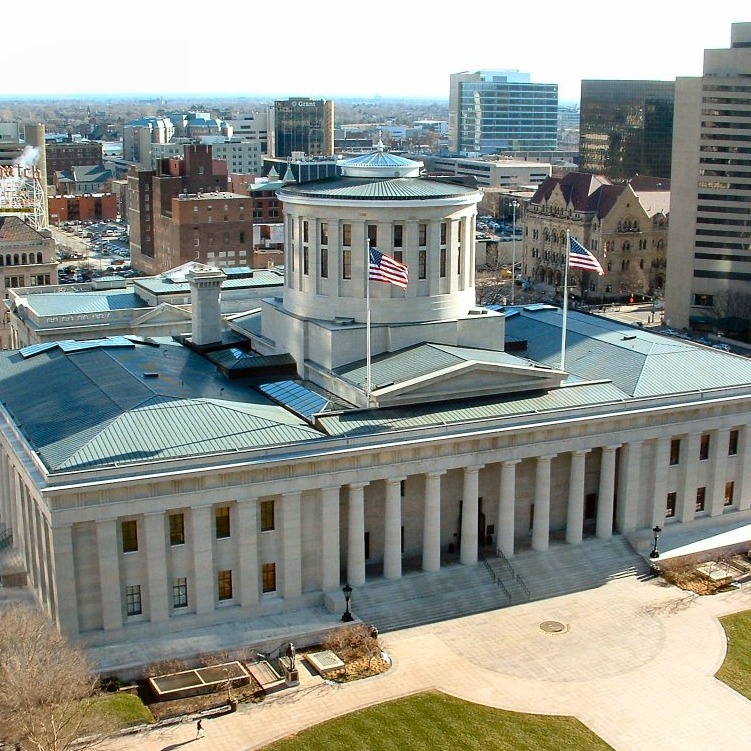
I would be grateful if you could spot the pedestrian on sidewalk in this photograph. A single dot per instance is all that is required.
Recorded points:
(199, 729)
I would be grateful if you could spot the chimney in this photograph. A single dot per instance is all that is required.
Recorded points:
(206, 314)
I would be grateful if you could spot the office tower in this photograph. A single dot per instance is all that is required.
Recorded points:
(492, 111)
(709, 260)
(626, 128)
(302, 125)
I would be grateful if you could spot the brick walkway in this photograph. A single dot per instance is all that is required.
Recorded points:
(633, 660)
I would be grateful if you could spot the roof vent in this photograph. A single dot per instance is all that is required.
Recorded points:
(150, 374)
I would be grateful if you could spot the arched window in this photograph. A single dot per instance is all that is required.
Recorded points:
(24, 261)
(641, 263)
(7, 260)
(626, 246)
(39, 258)
(15, 259)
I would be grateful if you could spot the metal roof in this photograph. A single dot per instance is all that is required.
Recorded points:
(102, 406)
(639, 362)
(393, 189)
(422, 360)
(73, 303)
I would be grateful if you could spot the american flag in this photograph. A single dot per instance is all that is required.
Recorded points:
(580, 258)
(383, 268)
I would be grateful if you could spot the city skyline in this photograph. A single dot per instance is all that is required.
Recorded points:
(327, 51)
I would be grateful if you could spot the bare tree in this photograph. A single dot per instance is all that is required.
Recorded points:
(46, 686)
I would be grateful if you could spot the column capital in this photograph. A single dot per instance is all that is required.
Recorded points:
(612, 447)
(474, 468)
(581, 452)
(510, 462)
(435, 473)
(358, 485)
(395, 480)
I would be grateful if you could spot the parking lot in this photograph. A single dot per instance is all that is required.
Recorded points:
(90, 250)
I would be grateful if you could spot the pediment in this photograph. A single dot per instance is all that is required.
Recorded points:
(468, 380)
(163, 313)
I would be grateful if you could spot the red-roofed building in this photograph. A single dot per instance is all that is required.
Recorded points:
(624, 226)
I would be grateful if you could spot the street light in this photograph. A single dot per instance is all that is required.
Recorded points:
(514, 207)
(656, 532)
(347, 617)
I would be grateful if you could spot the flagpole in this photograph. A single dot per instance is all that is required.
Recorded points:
(367, 319)
(565, 300)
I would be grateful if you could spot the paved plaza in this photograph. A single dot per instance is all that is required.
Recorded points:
(634, 660)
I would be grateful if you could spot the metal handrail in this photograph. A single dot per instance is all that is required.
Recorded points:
(496, 579)
(514, 575)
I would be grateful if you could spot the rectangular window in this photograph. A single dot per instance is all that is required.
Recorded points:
(324, 233)
(443, 263)
(733, 443)
(729, 491)
(305, 261)
(224, 585)
(180, 593)
(177, 529)
(133, 600)
(242, 237)
(346, 264)
(346, 234)
(670, 509)
(443, 233)
(267, 516)
(422, 264)
(399, 256)
(422, 235)
(704, 447)
(324, 263)
(221, 517)
(398, 235)
(130, 535)
(373, 235)
(700, 496)
(675, 451)
(305, 231)
(268, 577)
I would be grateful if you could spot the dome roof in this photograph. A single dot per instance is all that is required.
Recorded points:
(380, 163)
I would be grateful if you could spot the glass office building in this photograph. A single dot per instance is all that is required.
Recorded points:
(501, 111)
(626, 128)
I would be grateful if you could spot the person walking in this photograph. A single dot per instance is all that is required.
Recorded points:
(199, 729)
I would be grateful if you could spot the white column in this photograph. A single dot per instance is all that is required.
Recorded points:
(660, 481)
(4, 496)
(110, 587)
(686, 502)
(629, 487)
(44, 555)
(356, 535)
(247, 553)
(468, 553)
(204, 576)
(575, 508)
(606, 493)
(292, 546)
(718, 455)
(156, 565)
(431, 523)
(64, 579)
(330, 537)
(541, 517)
(742, 484)
(392, 537)
(506, 508)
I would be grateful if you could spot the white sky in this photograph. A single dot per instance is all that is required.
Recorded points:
(342, 48)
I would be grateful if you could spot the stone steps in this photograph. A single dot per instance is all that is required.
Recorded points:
(418, 598)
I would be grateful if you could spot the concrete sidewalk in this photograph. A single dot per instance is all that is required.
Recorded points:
(633, 660)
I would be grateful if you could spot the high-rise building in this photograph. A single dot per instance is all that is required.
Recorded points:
(301, 124)
(492, 111)
(626, 128)
(709, 257)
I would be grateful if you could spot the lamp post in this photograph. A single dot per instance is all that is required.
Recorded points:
(347, 617)
(656, 532)
(514, 207)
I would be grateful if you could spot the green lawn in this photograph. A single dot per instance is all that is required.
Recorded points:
(123, 709)
(736, 670)
(434, 721)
